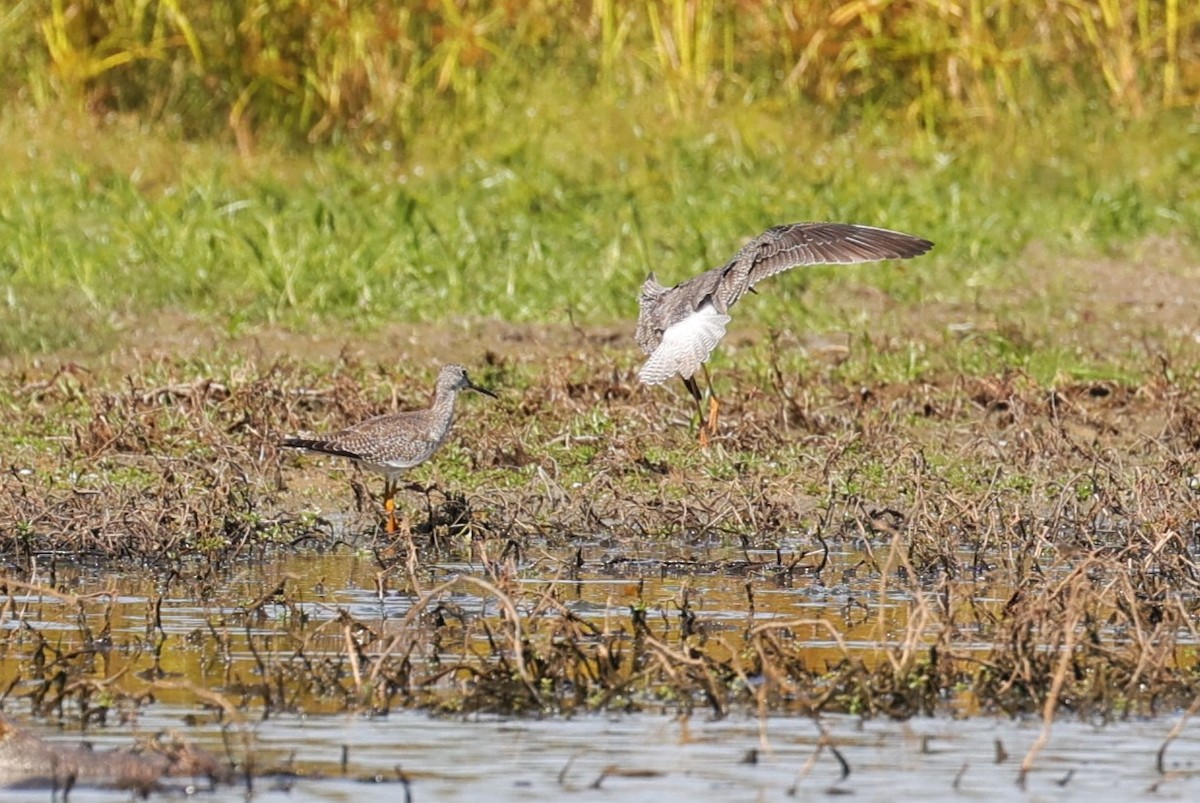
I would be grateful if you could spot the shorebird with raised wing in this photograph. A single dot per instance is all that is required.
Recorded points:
(678, 327)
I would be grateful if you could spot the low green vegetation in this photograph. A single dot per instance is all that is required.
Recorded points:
(317, 165)
(560, 226)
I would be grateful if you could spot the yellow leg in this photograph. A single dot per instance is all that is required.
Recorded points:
(708, 424)
(708, 428)
(390, 506)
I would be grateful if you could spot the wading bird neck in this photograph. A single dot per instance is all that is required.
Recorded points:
(442, 410)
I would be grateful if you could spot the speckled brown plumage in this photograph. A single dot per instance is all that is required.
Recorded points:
(389, 444)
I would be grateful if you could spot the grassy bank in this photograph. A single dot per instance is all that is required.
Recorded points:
(328, 166)
(557, 211)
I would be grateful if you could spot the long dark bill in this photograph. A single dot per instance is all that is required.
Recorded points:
(482, 390)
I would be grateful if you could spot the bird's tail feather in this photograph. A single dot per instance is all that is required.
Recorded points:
(314, 445)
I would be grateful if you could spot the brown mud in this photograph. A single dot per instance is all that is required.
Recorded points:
(961, 542)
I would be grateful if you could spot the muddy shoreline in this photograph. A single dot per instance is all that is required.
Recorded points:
(956, 545)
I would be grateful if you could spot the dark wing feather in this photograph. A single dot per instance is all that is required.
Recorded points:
(781, 248)
(777, 249)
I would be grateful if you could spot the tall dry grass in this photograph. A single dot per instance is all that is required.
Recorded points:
(330, 69)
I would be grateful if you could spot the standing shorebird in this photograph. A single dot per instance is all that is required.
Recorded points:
(680, 326)
(392, 443)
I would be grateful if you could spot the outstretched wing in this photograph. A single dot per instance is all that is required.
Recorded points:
(685, 345)
(691, 316)
(781, 248)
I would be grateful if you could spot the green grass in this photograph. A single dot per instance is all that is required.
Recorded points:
(559, 211)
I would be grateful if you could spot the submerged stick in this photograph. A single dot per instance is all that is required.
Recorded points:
(1051, 704)
(822, 743)
(1173, 734)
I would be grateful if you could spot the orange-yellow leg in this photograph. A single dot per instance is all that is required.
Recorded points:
(708, 424)
(389, 505)
(698, 396)
(713, 408)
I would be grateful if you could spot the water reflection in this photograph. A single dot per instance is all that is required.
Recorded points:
(655, 758)
(142, 626)
(207, 642)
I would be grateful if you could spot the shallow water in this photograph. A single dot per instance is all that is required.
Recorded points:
(652, 756)
(322, 586)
